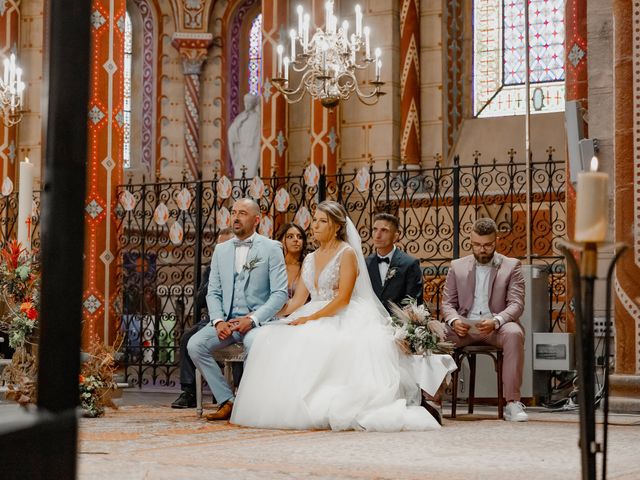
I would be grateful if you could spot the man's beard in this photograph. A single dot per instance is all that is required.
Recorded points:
(483, 259)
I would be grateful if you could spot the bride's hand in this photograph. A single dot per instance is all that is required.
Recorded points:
(301, 321)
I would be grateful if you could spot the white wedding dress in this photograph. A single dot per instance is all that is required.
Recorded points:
(342, 372)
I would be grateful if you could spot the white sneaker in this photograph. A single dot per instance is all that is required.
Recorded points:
(515, 412)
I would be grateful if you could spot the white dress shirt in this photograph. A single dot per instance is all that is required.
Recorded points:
(480, 308)
(241, 253)
(383, 267)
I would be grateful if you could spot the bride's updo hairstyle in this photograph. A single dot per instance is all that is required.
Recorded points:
(338, 215)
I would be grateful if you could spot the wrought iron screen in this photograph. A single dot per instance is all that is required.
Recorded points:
(166, 234)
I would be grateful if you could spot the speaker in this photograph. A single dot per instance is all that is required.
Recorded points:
(575, 133)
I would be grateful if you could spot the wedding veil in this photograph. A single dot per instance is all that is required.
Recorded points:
(363, 288)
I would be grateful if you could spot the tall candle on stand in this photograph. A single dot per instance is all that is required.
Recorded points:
(592, 205)
(25, 203)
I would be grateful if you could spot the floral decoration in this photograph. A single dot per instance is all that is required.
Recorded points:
(415, 331)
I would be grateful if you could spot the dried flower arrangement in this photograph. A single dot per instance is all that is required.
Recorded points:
(415, 331)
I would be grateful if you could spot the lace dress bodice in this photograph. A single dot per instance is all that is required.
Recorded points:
(328, 279)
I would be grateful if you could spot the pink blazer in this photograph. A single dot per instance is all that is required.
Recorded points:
(506, 288)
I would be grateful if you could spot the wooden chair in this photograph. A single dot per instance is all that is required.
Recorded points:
(228, 355)
(470, 353)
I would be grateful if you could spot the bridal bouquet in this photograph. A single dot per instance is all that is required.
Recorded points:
(415, 331)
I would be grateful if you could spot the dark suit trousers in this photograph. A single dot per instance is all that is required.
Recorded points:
(187, 368)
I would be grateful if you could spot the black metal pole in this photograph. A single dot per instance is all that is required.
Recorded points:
(198, 252)
(456, 207)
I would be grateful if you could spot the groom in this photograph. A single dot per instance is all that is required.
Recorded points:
(247, 287)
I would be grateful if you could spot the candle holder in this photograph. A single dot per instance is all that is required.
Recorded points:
(583, 277)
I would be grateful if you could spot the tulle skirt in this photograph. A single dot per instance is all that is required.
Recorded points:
(342, 372)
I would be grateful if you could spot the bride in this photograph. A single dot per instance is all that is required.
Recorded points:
(333, 362)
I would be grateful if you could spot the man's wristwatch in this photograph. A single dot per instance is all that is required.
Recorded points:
(496, 323)
(253, 323)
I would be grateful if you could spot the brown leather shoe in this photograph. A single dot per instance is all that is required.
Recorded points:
(223, 413)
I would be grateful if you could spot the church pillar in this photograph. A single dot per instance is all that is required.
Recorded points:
(325, 133)
(193, 51)
(410, 82)
(576, 88)
(9, 35)
(104, 168)
(274, 109)
(625, 384)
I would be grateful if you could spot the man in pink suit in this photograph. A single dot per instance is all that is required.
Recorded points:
(482, 303)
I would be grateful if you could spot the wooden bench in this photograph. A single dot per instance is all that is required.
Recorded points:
(227, 356)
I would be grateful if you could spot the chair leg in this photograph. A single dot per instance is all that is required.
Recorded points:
(454, 386)
(472, 380)
(198, 392)
(500, 392)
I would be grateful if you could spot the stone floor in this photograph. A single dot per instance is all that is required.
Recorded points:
(146, 439)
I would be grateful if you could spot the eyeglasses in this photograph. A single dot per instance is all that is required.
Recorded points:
(483, 246)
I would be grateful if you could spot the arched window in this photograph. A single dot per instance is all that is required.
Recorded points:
(255, 55)
(499, 57)
(126, 123)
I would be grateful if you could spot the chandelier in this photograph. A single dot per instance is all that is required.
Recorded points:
(329, 61)
(11, 92)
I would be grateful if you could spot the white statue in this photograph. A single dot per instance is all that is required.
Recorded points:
(244, 138)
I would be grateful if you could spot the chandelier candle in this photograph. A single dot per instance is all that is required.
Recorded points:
(25, 203)
(592, 206)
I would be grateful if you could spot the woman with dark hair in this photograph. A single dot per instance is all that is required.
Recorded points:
(294, 244)
(333, 362)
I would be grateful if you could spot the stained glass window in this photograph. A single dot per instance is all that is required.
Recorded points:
(126, 110)
(499, 57)
(255, 55)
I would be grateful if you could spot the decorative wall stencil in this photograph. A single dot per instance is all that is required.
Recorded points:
(7, 186)
(224, 218)
(303, 217)
(183, 199)
(410, 81)
(127, 200)
(256, 188)
(311, 175)
(224, 187)
(282, 200)
(363, 179)
(266, 226)
(161, 214)
(176, 234)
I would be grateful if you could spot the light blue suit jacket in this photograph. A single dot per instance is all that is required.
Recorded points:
(265, 285)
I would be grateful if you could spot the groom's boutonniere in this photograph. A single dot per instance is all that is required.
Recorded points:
(496, 262)
(251, 264)
(391, 273)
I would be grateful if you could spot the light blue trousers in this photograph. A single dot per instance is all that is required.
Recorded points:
(201, 348)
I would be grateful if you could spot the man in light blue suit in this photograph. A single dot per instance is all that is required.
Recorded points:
(247, 287)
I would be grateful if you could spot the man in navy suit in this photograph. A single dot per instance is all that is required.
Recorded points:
(394, 274)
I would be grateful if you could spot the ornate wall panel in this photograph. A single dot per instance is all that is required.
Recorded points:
(410, 81)
(627, 181)
(104, 167)
(9, 37)
(454, 18)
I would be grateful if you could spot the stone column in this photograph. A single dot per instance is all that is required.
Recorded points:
(193, 49)
(274, 108)
(410, 82)
(625, 384)
(576, 88)
(325, 131)
(9, 37)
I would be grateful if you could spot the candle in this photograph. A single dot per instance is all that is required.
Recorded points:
(305, 25)
(367, 47)
(358, 21)
(353, 48)
(280, 49)
(592, 205)
(25, 203)
(286, 69)
(12, 69)
(328, 14)
(300, 11)
(345, 30)
(5, 75)
(292, 34)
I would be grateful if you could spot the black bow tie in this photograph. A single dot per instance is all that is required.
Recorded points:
(383, 260)
(242, 243)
